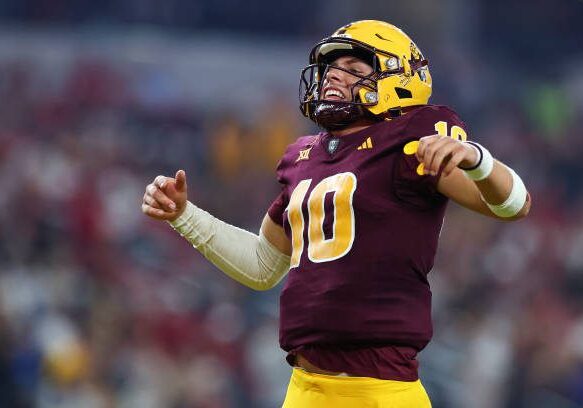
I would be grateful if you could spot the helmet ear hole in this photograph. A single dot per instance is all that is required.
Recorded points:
(403, 93)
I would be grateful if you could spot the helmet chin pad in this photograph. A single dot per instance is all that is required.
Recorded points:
(332, 115)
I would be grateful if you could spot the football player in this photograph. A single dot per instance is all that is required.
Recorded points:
(357, 221)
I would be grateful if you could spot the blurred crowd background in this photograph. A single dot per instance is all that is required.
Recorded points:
(102, 307)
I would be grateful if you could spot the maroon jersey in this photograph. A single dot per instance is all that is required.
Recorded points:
(364, 222)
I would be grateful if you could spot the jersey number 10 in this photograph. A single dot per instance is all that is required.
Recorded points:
(320, 249)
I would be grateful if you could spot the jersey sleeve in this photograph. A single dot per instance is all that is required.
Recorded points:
(278, 206)
(411, 185)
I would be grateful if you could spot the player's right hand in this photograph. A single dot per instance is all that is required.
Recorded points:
(165, 198)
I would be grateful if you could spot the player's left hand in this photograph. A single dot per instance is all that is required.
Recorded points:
(165, 198)
(437, 151)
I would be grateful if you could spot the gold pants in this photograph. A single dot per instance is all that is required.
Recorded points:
(309, 390)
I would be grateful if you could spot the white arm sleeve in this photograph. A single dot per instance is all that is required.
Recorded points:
(249, 259)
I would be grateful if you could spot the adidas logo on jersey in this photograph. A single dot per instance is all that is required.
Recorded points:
(367, 144)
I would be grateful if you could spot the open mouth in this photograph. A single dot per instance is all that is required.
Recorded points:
(332, 94)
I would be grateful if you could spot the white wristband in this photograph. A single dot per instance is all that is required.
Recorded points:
(515, 200)
(483, 167)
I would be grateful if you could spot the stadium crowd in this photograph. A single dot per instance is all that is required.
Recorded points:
(100, 306)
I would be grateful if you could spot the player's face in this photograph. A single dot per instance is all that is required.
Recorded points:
(338, 83)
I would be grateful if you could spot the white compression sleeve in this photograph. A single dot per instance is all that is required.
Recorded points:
(249, 259)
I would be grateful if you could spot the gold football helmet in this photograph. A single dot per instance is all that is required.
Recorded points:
(400, 75)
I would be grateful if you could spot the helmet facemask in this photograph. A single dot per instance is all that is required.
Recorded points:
(329, 114)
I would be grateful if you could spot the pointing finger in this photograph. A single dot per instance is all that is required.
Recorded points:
(180, 180)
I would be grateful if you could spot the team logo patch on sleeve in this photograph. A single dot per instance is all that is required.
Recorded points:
(304, 154)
